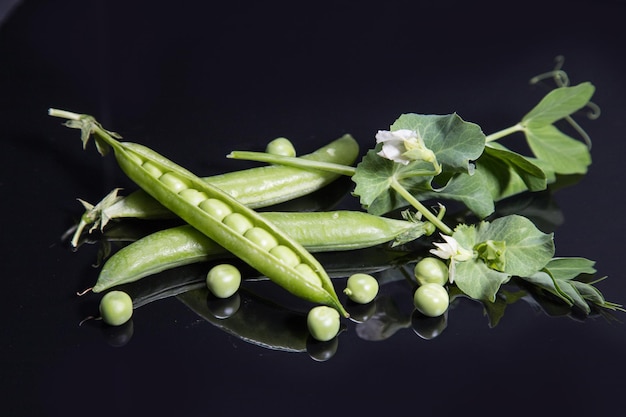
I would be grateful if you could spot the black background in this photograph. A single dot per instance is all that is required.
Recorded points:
(195, 80)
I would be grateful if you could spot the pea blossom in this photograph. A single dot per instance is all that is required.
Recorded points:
(453, 251)
(404, 146)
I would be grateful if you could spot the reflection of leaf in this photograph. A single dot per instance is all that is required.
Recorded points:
(454, 141)
(564, 154)
(557, 104)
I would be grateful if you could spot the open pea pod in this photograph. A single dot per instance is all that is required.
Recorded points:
(205, 206)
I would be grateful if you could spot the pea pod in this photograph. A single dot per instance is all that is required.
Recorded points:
(204, 207)
(255, 187)
(317, 232)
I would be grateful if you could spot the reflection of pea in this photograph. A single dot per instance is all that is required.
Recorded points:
(360, 313)
(223, 308)
(118, 336)
(322, 351)
(428, 327)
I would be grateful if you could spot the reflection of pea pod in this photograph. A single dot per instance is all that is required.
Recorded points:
(257, 321)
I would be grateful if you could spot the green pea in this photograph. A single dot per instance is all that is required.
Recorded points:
(216, 208)
(238, 222)
(431, 299)
(195, 197)
(152, 169)
(173, 182)
(431, 269)
(223, 280)
(361, 288)
(309, 274)
(285, 255)
(281, 146)
(323, 323)
(116, 308)
(261, 237)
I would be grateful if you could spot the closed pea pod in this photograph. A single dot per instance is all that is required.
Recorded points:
(131, 157)
(317, 232)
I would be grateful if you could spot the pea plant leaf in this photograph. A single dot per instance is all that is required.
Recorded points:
(533, 176)
(557, 104)
(525, 250)
(528, 249)
(454, 141)
(564, 154)
(373, 177)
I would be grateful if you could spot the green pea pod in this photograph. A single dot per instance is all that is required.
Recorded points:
(166, 181)
(255, 187)
(317, 232)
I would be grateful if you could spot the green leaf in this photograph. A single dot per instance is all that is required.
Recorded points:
(533, 177)
(373, 180)
(528, 249)
(569, 268)
(476, 280)
(454, 141)
(564, 154)
(471, 190)
(557, 104)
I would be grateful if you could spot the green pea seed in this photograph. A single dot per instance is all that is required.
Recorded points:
(152, 169)
(361, 288)
(261, 237)
(238, 222)
(431, 269)
(116, 308)
(173, 182)
(223, 280)
(431, 299)
(285, 255)
(281, 146)
(193, 196)
(323, 323)
(309, 274)
(216, 208)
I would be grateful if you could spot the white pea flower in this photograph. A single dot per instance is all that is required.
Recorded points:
(404, 146)
(453, 251)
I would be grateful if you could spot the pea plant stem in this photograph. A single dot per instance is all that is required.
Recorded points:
(395, 185)
(504, 132)
(292, 161)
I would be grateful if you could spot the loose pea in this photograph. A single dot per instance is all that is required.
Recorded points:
(309, 274)
(285, 255)
(261, 237)
(223, 280)
(431, 299)
(238, 222)
(323, 323)
(152, 169)
(281, 146)
(116, 308)
(431, 269)
(216, 208)
(193, 196)
(173, 182)
(361, 288)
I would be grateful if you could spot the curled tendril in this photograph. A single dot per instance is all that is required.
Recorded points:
(561, 79)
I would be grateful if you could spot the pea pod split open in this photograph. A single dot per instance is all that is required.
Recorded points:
(255, 187)
(218, 215)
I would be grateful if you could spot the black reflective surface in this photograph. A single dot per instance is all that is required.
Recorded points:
(195, 82)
